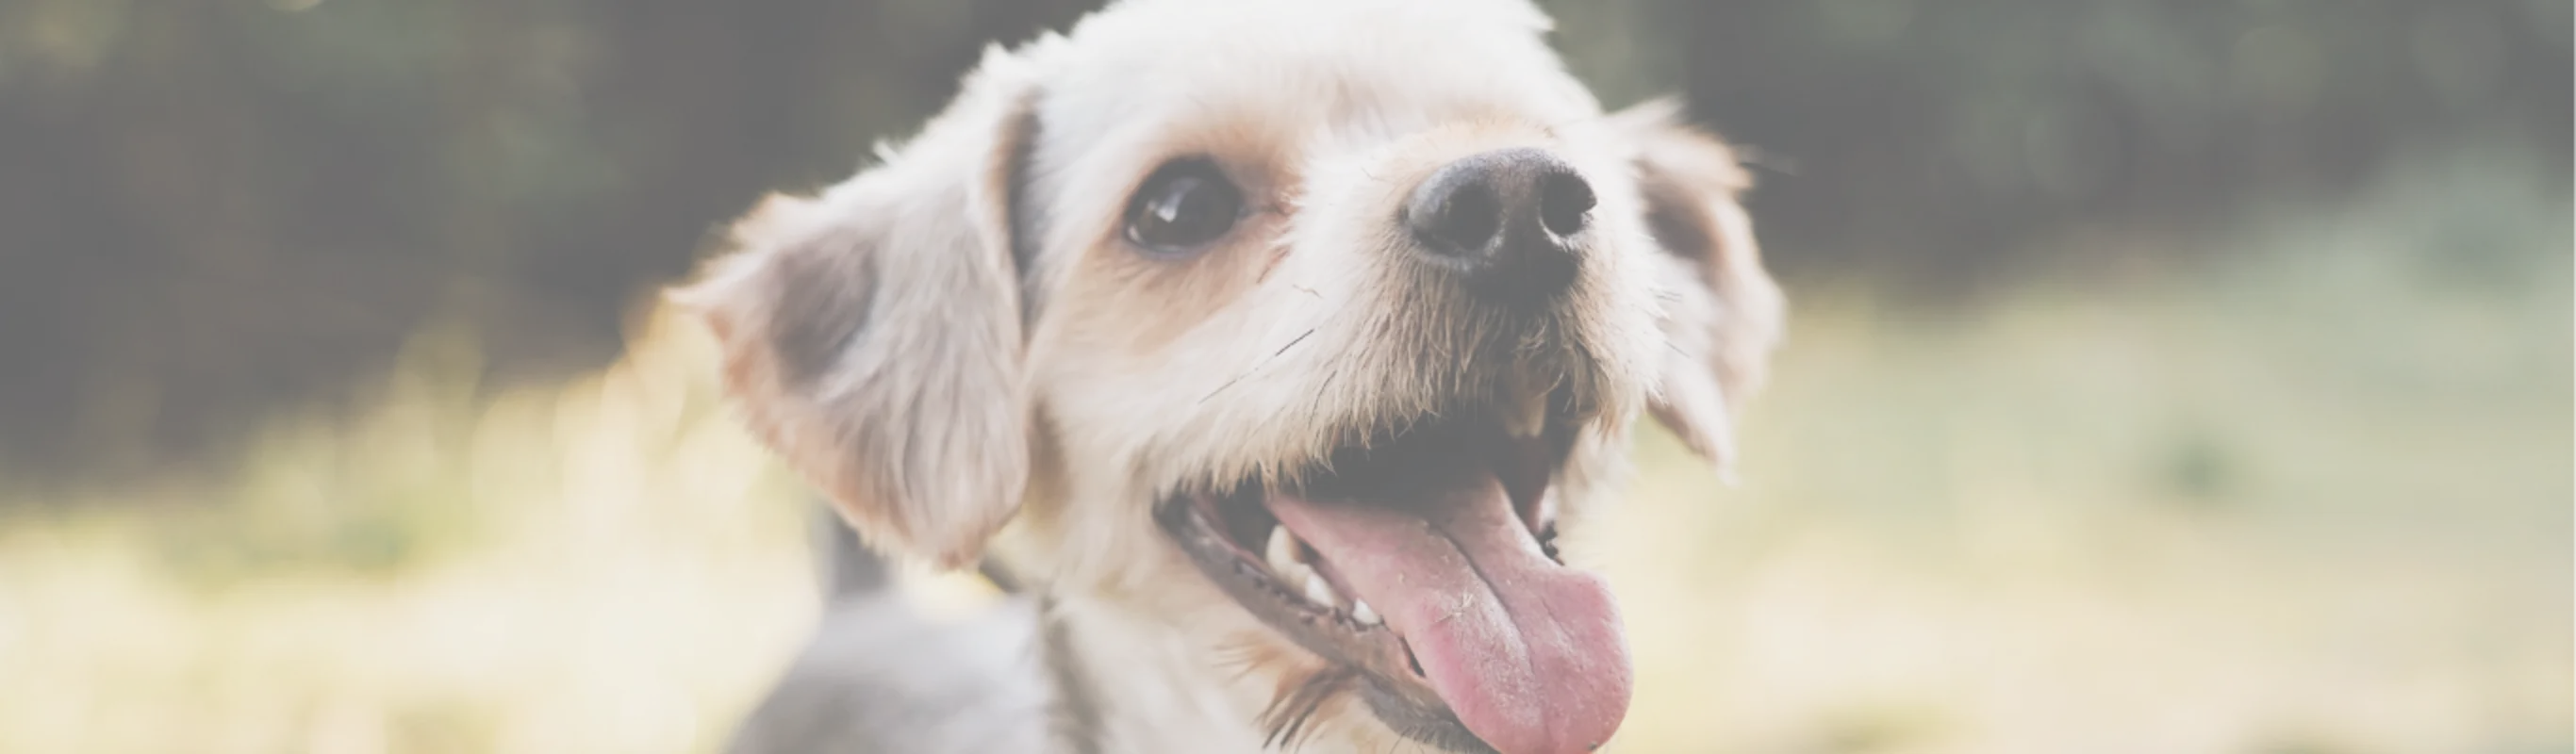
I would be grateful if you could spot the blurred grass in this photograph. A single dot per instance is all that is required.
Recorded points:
(2311, 497)
(600, 566)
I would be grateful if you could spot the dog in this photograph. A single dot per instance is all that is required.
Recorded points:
(1270, 344)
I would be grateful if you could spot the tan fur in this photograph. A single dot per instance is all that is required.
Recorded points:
(915, 422)
(956, 418)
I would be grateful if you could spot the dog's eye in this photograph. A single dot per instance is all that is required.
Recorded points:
(1183, 206)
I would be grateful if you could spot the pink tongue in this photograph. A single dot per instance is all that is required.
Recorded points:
(1526, 652)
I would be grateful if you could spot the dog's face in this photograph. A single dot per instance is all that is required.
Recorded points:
(1302, 327)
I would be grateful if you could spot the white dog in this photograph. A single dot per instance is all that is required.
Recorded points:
(1271, 343)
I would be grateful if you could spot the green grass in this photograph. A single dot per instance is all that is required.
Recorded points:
(2312, 496)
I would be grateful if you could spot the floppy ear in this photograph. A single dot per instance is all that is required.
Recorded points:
(1722, 312)
(872, 336)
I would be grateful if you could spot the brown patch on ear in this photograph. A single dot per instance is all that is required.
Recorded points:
(1726, 315)
(871, 335)
(818, 313)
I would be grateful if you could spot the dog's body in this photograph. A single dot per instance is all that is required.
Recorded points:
(1271, 344)
(880, 675)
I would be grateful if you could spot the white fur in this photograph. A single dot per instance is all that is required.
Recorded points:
(943, 419)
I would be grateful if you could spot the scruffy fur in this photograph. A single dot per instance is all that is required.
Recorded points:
(959, 347)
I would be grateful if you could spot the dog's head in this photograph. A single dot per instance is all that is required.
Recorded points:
(1340, 311)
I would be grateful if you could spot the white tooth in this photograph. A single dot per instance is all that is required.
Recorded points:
(1282, 552)
(1294, 573)
(1360, 612)
(1320, 592)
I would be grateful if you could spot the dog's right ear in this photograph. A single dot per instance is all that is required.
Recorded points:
(871, 335)
(1722, 313)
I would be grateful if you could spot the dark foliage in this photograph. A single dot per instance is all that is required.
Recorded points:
(209, 210)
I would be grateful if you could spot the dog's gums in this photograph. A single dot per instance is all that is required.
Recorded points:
(1422, 564)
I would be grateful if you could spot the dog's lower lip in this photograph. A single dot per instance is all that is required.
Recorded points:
(1195, 523)
(1227, 535)
(1393, 684)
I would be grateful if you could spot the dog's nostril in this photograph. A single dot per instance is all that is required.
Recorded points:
(1504, 222)
(1464, 221)
(1563, 198)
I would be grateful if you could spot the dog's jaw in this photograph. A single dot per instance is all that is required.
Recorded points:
(1281, 690)
(1176, 664)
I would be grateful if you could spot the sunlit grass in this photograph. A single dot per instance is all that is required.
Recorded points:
(601, 566)
(2311, 498)
(2056, 532)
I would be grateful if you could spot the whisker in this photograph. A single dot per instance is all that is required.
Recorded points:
(1291, 714)
(1292, 343)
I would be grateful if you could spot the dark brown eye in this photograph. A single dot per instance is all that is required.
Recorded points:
(1183, 206)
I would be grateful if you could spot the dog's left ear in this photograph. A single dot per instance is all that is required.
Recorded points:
(872, 335)
(1722, 312)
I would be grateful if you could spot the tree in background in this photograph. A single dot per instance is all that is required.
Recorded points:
(208, 210)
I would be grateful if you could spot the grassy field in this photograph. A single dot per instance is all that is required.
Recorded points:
(2308, 496)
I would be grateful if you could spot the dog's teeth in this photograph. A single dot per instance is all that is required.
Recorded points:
(1282, 553)
(1282, 547)
(1319, 592)
(1295, 574)
(1361, 612)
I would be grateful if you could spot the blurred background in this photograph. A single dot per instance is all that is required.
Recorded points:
(2165, 376)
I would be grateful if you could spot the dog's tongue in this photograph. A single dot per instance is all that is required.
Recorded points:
(1528, 653)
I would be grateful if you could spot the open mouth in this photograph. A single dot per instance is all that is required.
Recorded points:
(1422, 563)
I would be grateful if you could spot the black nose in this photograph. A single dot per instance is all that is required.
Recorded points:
(1505, 219)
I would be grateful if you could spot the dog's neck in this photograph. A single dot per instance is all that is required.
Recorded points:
(1129, 682)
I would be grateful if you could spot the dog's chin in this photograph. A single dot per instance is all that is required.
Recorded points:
(1420, 564)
